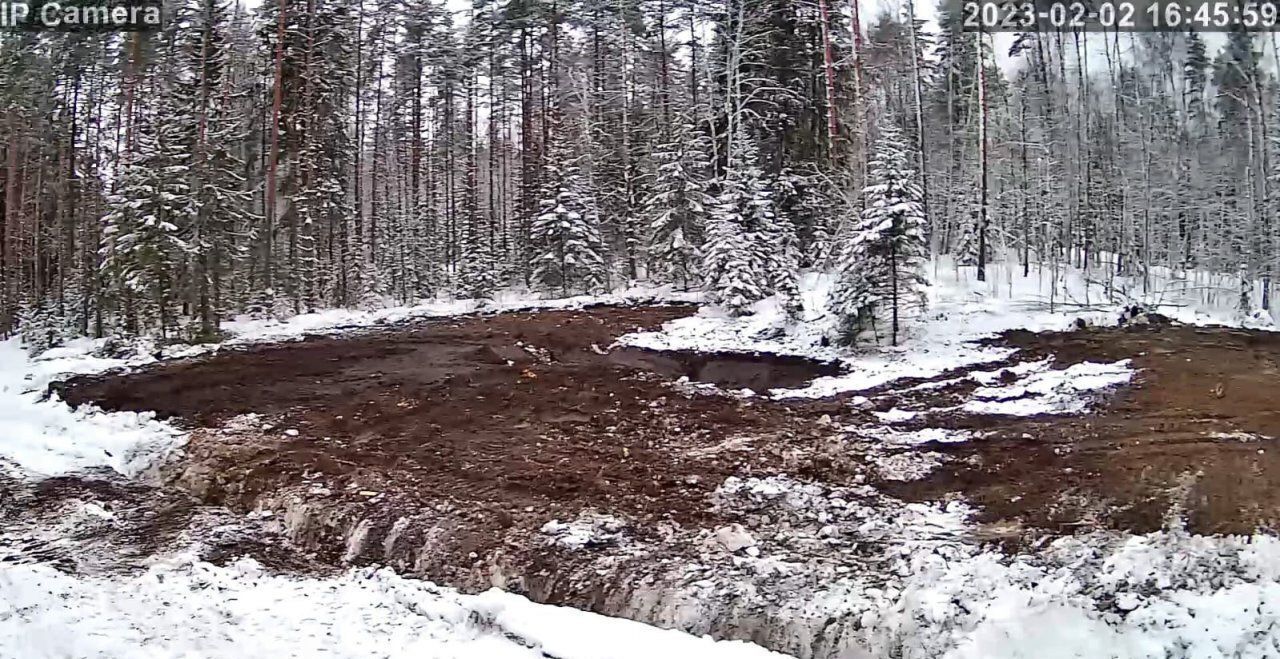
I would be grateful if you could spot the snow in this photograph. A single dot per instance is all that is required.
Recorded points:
(911, 466)
(894, 437)
(1047, 391)
(936, 592)
(961, 312)
(1165, 594)
(589, 530)
(194, 609)
(46, 437)
(896, 415)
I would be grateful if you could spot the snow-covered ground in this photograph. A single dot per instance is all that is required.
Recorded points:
(45, 437)
(935, 591)
(193, 609)
(1165, 594)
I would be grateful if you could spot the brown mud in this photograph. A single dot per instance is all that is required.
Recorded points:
(1192, 438)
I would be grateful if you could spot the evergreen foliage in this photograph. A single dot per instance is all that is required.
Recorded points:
(880, 268)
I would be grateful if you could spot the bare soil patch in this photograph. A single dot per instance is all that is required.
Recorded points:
(488, 425)
(517, 417)
(1194, 436)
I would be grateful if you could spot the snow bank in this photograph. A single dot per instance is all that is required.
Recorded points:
(45, 437)
(196, 609)
(1165, 594)
(937, 591)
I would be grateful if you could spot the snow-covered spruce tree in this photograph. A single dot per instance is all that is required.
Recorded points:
(40, 325)
(732, 268)
(967, 231)
(751, 251)
(223, 218)
(146, 218)
(780, 252)
(881, 258)
(678, 204)
(807, 198)
(568, 251)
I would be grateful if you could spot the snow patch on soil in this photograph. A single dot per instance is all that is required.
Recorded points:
(894, 437)
(909, 466)
(1048, 391)
(961, 312)
(589, 530)
(835, 515)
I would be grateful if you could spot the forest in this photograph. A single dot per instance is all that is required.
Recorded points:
(304, 154)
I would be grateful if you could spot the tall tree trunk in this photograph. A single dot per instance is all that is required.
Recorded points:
(982, 159)
(273, 163)
(829, 68)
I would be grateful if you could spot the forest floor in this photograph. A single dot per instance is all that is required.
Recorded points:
(529, 451)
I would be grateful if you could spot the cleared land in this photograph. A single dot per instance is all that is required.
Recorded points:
(445, 448)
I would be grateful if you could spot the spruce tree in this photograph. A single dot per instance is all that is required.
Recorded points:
(568, 252)
(880, 259)
(734, 265)
(679, 204)
(147, 216)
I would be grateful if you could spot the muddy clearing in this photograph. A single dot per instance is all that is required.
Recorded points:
(518, 450)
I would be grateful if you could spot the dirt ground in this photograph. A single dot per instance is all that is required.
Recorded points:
(499, 421)
(441, 446)
(1193, 436)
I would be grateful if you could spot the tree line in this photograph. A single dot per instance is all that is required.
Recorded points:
(317, 153)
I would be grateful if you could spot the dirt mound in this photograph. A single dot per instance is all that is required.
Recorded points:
(98, 522)
(526, 415)
(499, 422)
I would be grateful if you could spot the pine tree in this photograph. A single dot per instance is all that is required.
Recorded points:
(880, 263)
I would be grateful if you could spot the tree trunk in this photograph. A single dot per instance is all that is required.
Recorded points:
(273, 163)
